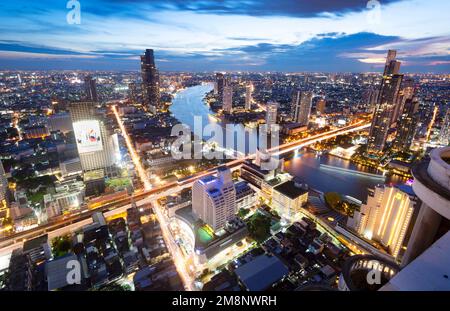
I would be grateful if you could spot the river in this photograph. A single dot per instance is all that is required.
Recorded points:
(304, 164)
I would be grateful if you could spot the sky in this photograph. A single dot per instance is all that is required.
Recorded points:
(229, 35)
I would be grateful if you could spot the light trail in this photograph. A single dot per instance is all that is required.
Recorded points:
(177, 257)
(338, 130)
(430, 126)
(291, 146)
(134, 156)
(16, 124)
(139, 195)
(312, 141)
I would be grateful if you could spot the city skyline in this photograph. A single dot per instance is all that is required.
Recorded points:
(224, 145)
(227, 35)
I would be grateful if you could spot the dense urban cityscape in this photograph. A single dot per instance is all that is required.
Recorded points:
(224, 180)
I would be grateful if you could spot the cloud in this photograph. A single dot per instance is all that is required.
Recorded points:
(295, 8)
(229, 34)
(439, 62)
(44, 56)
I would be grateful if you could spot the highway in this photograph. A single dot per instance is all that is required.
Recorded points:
(186, 182)
(71, 223)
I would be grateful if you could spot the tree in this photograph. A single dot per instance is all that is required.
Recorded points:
(243, 212)
(259, 227)
(333, 199)
(61, 245)
(114, 287)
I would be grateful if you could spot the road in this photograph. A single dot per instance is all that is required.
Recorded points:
(175, 252)
(170, 187)
(16, 240)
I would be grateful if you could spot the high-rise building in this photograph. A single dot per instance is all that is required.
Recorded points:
(248, 96)
(219, 84)
(386, 105)
(321, 105)
(444, 137)
(301, 106)
(371, 98)
(132, 92)
(3, 193)
(406, 127)
(432, 186)
(391, 66)
(60, 122)
(150, 82)
(95, 143)
(387, 217)
(407, 91)
(90, 88)
(227, 104)
(271, 114)
(214, 199)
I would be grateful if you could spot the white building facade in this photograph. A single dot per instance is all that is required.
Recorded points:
(214, 199)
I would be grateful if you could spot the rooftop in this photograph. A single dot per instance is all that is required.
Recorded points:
(56, 271)
(34, 243)
(207, 179)
(406, 189)
(291, 189)
(428, 272)
(260, 273)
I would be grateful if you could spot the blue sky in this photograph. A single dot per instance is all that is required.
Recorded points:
(204, 35)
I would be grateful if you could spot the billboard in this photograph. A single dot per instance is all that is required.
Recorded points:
(87, 135)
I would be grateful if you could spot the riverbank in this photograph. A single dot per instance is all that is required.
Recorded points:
(304, 164)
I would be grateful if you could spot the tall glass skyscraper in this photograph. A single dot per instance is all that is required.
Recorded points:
(219, 84)
(301, 106)
(90, 87)
(406, 127)
(227, 104)
(150, 82)
(386, 104)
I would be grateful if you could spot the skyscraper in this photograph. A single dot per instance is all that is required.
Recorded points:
(444, 137)
(301, 106)
(214, 199)
(391, 66)
(406, 127)
(407, 91)
(95, 143)
(219, 84)
(150, 82)
(387, 217)
(227, 104)
(133, 92)
(271, 114)
(90, 87)
(386, 105)
(248, 96)
(371, 98)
